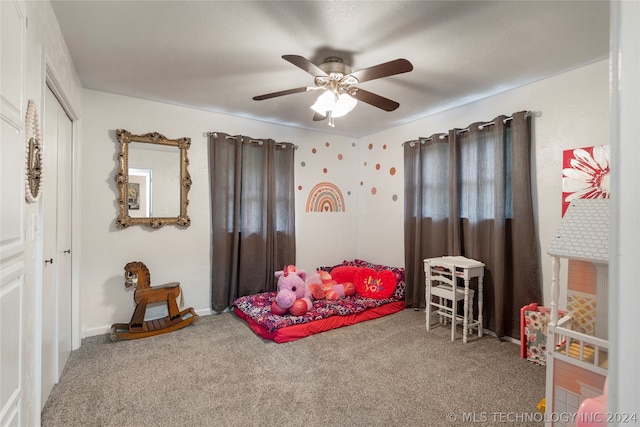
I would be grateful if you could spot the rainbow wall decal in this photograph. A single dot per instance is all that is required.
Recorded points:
(325, 197)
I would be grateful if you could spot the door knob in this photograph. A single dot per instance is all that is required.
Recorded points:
(48, 261)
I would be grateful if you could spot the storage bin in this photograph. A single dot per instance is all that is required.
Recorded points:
(533, 332)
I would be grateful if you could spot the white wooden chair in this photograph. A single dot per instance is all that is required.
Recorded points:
(440, 281)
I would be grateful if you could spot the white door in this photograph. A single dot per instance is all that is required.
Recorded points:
(65, 138)
(14, 335)
(56, 280)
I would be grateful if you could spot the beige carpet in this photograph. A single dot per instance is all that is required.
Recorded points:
(217, 372)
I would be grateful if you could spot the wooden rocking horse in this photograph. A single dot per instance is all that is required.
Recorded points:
(136, 274)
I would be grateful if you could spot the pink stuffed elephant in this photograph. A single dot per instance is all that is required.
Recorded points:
(294, 296)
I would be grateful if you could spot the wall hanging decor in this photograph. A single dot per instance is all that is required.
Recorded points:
(585, 174)
(153, 180)
(33, 154)
(325, 197)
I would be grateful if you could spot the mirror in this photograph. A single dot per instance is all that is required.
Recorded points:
(153, 180)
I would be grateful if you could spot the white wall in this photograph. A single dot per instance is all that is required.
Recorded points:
(624, 293)
(380, 226)
(326, 238)
(183, 254)
(44, 48)
(574, 112)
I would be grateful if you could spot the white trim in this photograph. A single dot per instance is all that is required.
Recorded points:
(51, 80)
(624, 292)
(106, 329)
(204, 312)
(58, 90)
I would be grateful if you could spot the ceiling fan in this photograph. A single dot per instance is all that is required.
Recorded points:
(339, 85)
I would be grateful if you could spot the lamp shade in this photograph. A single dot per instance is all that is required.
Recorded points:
(345, 104)
(324, 103)
(338, 105)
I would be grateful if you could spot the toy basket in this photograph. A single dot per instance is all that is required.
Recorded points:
(533, 332)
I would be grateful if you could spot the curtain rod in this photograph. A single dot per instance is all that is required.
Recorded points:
(259, 142)
(423, 140)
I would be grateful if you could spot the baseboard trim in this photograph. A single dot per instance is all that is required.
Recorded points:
(102, 330)
(485, 331)
(204, 312)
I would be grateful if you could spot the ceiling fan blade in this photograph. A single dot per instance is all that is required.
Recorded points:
(280, 93)
(376, 100)
(305, 64)
(386, 69)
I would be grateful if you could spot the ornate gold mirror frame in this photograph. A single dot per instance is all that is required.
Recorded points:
(123, 180)
(33, 155)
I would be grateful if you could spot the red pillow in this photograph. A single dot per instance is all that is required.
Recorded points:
(344, 273)
(375, 284)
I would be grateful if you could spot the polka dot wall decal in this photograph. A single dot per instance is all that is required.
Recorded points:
(392, 171)
(370, 146)
(303, 164)
(394, 197)
(384, 147)
(314, 151)
(327, 144)
(374, 190)
(365, 163)
(300, 187)
(349, 193)
(339, 156)
(377, 166)
(324, 170)
(353, 144)
(361, 183)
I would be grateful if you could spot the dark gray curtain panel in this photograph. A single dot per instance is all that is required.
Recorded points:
(468, 192)
(252, 214)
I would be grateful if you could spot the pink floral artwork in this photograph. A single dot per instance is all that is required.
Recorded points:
(585, 174)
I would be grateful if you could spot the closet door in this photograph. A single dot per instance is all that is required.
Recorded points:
(63, 236)
(56, 277)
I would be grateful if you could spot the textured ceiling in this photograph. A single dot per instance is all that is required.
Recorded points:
(216, 56)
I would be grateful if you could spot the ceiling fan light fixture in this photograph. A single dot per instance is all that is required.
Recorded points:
(324, 103)
(338, 105)
(345, 104)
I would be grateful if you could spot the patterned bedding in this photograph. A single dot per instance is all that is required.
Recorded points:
(256, 309)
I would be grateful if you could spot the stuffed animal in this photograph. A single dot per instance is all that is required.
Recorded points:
(294, 296)
(323, 286)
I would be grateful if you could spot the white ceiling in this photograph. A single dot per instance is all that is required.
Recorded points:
(216, 55)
